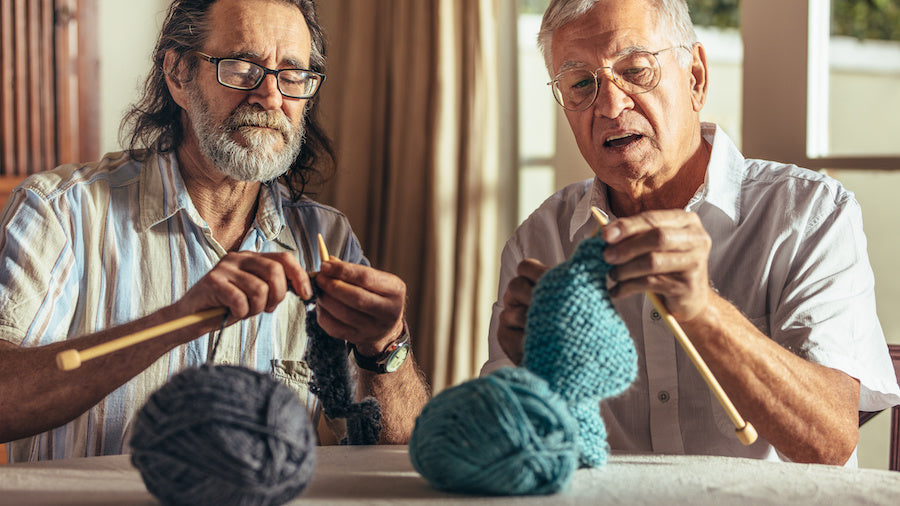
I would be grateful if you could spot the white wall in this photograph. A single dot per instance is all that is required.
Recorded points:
(127, 32)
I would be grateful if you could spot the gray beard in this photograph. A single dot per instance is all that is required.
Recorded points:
(260, 160)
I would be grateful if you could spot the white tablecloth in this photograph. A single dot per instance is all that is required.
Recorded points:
(384, 475)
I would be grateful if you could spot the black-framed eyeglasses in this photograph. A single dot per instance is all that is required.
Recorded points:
(245, 75)
(635, 73)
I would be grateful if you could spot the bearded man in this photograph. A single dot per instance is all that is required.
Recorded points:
(204, 210)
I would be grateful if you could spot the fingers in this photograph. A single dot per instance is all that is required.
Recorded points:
(531, 269)
(516, 300)
(248, 283)
(623, 228)
(349, 276)
(511, 332)
(358, 303)
(664, 252)
(518, 292)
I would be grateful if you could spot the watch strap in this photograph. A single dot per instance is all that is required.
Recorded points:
(378, 363)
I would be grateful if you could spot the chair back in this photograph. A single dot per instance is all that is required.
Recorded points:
(865, 416)
(894, 448)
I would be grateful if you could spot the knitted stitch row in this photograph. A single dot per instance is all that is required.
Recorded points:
(577, 342)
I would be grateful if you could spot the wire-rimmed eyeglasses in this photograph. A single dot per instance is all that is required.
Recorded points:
(245, 75)
(637, 72)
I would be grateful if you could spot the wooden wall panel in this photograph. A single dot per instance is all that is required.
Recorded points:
(7, 109)
(48, 98)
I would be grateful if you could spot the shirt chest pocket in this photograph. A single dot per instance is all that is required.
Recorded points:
(295, 374)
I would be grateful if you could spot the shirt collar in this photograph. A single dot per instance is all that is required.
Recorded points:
(163, 194)
(270, 214)
(724, 174)
(721, 187)
(162, 191)
(582, 216)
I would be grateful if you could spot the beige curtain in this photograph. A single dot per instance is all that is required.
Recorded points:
(414, 104)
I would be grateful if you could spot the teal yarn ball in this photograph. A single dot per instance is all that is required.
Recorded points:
(576, 341)
(224, 435)
(503, 434)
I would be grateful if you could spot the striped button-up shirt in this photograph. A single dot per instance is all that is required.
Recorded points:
(88, 247)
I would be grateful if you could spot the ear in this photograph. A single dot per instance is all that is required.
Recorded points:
(174, 79)
(699, 77)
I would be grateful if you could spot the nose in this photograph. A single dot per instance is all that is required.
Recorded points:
(611, 100)
(267, 95)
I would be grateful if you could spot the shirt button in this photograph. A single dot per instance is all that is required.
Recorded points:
(654, 315)
(663, 396)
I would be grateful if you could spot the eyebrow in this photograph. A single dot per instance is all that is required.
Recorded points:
(254, 56)
(574, 64)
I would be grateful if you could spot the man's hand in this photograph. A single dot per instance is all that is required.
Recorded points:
(360, 304)
(247, 284)
(364, 306)
(516, 300)
(664, 252)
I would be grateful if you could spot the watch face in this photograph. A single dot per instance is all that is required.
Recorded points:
(397, 358)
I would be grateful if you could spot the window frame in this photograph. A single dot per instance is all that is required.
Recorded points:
(798, 132)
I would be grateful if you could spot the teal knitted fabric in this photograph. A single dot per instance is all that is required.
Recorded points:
(576, 341)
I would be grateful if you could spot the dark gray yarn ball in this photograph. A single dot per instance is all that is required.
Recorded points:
(224, 435)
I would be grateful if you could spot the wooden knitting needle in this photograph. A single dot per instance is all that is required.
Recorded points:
(746, 433)
(68, 360)
(323, 251)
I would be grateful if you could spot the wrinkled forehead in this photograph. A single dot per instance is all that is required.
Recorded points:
(605, 33)
(259, 29)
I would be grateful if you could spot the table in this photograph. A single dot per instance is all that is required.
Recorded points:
(384, 475)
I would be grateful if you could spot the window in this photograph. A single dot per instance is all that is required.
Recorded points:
(802, 94)
(538, 115)
(859, 72)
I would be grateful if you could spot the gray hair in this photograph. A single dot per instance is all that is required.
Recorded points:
(673, 19)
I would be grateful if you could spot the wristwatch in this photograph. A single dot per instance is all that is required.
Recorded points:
(388, 360)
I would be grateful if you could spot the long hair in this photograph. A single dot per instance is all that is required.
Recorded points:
(673, 18)
(153, 124)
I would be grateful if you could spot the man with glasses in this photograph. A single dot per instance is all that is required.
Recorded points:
(763, 264)
(204, 210)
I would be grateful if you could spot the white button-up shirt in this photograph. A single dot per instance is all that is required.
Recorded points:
(788, 250)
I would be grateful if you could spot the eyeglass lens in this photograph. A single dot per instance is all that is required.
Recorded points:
(245, 75)
(576, 89)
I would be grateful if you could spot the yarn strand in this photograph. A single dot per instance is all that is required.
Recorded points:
(332, 384)
(212, 355)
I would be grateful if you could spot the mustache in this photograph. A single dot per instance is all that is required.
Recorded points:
(251, 116)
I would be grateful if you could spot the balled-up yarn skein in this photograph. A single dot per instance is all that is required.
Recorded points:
(576, 341)
(506, 433)
(224, 435)
(525, 429)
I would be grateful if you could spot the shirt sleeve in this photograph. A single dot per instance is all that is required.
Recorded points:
(36, 271)
(828, 309)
